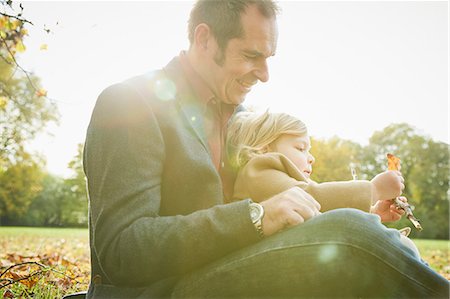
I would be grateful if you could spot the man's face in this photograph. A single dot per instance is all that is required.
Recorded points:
(244, 61)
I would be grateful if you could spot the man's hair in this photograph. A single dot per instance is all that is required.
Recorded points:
(224, 17)
(250, 134)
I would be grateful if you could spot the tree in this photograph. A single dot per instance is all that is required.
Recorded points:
(25, 111)
(47, 206)
(77, 206)
(19, 185)
(428, 187)
(61, 202)
(24, 108)
(334, 158)
(425, 168)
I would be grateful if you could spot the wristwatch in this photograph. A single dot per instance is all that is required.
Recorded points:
(257, 214)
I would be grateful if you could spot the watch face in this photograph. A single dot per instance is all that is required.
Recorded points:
(256, 212)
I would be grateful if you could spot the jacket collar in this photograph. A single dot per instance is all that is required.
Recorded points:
(193, 96)
(199, 86)
(187, 100)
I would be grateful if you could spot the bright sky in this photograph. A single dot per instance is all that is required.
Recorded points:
(344, 68)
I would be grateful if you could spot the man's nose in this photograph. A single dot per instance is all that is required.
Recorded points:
(311, 159)
(262, 71)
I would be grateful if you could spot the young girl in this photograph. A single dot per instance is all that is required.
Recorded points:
(271, 153)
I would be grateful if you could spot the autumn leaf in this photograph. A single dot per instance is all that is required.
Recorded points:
(5, 263)
(8, 294)
(13, 275)
(30, 282)
(41, 92)
(3, 102)
(16, 23)
(393, 162)
(20, 47)
(66, 263)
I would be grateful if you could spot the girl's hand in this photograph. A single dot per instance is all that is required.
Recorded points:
(387, 210)
(387, 185)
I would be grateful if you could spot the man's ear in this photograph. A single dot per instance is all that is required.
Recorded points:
(202, 36)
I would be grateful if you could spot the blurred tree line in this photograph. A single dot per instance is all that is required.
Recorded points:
(424, 165)
(29, 195)
(51, 201)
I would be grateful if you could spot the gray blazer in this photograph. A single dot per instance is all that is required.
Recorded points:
(156, 204)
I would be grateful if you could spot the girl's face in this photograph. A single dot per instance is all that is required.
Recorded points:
(296, 149)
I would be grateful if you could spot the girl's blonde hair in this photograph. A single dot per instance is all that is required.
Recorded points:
(250, 134)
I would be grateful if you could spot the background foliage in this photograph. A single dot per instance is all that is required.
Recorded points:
(63, 266)
(30, 196)
(425, 167)
(48, 263)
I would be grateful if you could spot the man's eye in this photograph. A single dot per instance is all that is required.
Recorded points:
(247, 56)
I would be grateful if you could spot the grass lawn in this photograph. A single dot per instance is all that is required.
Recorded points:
(57, 259)
(437, 254)
(51, 262)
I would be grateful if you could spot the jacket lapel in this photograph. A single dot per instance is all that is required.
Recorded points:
(187, 103)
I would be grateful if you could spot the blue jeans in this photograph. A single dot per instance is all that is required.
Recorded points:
(342, 253)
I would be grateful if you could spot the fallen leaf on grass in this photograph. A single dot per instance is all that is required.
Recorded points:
(8, 294)
(30, 281)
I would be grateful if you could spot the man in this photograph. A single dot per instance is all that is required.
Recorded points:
(158, 180)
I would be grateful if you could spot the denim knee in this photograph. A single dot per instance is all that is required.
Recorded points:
(359, 230)
(339, 246)
(350, 218)
(346, 224)
(354, 228)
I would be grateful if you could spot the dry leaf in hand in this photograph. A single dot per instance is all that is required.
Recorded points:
(393, 162)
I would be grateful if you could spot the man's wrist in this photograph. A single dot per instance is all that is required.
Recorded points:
(257, 214)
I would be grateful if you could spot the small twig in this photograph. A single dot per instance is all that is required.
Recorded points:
(6, 60)
(45, 269)
(21, 264)
(14, 61)
(23, 278)
(16, 17)
(64, 274)
(18, 65)
(6, 279)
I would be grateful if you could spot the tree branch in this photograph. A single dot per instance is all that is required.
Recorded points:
(17, 64)
(21, 264)
(43, 269)
(22, 278)
(16, 17)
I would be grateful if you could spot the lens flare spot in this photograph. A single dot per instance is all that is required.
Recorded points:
(327, 253)
(165, 89)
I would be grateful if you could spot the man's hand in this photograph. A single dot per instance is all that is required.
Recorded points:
(287, 209)
(387, 210)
